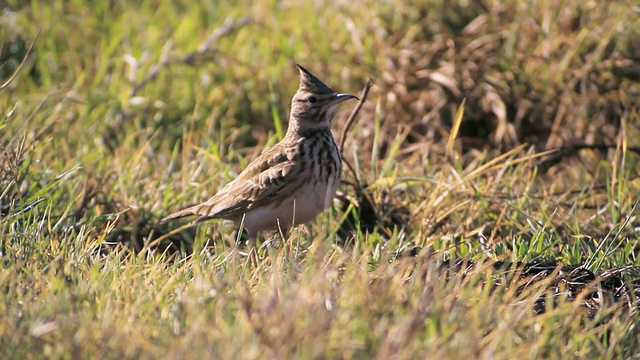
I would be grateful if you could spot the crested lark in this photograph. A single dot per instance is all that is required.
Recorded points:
(291, 182)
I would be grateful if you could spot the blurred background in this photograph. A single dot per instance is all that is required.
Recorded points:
(547, 73)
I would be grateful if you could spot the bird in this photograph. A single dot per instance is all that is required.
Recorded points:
(293, 181)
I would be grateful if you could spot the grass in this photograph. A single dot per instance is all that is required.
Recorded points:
(492, 211)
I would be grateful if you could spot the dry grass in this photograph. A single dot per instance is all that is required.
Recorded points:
(492, 212)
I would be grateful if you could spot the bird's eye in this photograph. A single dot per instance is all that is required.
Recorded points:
(312, 100)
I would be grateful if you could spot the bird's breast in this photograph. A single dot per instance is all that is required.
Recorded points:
(319, 172)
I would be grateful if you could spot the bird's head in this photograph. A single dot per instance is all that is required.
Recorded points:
(314, 103)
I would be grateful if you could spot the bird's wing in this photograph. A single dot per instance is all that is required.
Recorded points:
(270, 178)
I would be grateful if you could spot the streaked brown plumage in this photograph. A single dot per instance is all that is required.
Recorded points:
(293, 181)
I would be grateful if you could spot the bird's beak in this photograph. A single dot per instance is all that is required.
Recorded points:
(338, 98)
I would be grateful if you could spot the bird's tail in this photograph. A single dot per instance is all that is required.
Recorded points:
(192, 210)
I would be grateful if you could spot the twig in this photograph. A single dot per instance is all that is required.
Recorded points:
(602, 147)
(191, 58)
(153, 72)
(24, 60)
(354, 113)
(361, 195)
(569, 150)
(228, 27)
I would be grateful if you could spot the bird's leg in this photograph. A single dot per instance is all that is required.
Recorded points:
(241, 235)
(246, 245)
(246, 238)
(249, 240)
(282, 231)
(253, 251)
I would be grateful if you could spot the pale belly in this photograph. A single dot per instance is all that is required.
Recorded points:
(306, 204)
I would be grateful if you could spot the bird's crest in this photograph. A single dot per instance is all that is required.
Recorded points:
(310, 83)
